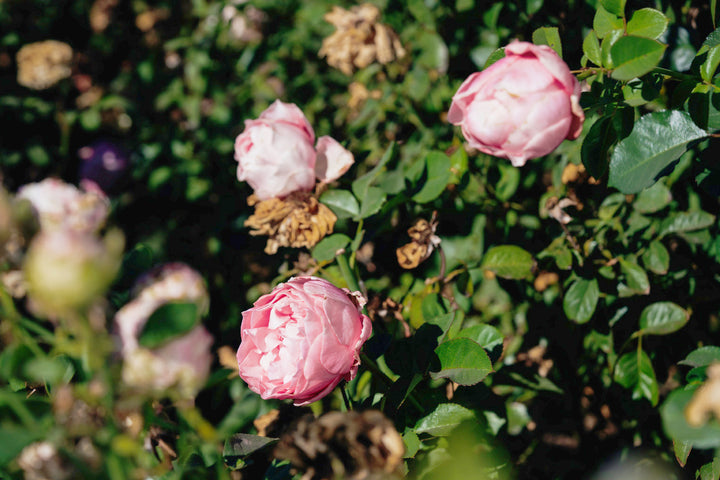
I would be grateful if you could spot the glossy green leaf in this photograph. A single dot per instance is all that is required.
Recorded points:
(656, 258)
(662, 318)
(606, 47)
(711, 470)
(327, 248)
(635, 56)
(647, 22)
(708, 67)
(372, 202)
(676, 427)
(168, 322)
(581, 300)
(361, 185)
(549, 36)
(604, 22)
(486, 336)
(437, 176)
(686, 222)
(658, 139)
(591, 48)
(443, 419)
(634, 371)
(682, 451)
(341, 202)
(616, 7)
(595, 147)
(508, 261)
(702, 357)
(463, 361)
(653, 199)
(494, 57)
(635, 277)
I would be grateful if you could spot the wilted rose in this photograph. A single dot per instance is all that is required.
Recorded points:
(302, 339)
(60, 205)
(183, 362)
(276, 156)
(522, 106)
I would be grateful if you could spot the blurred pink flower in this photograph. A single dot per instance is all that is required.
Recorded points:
(275, 153)
(182, 363)
(522, 106)
(302, 339)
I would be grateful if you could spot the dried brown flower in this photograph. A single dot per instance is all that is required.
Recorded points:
(42, 461)
(424, 241)
(359, 93)
(359, 39)
(343, 445)
(43, 64)
(297, 220)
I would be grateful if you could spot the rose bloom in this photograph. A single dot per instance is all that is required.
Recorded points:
(522, 106)
(60, 205)
(275, 153)
(301, 339)
(183, 363)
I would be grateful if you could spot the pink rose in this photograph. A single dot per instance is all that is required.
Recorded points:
(301, 339)
(275, 153)
(522, 106)
(183, 363)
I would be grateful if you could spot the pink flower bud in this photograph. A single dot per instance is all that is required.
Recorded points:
(301, 340)
(522, 106)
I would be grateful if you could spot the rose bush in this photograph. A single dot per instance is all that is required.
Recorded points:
(275, 153)
(522, 106)
(301, 339)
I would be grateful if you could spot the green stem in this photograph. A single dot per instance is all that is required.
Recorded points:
(347, 273)
(346, 400)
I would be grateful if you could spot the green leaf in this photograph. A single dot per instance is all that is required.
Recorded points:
(486, 336)
(533, 6)
(462, 361)
(702, 357)
(361, 185)
(241, 445)
(635, 277)
(437, 166)
(494, 57)
(708, 67)
(168, 322)
(710, 471)
(597, 143)
(657, 140)
(682, 451)
(443, 419)
(653, 199)
(371, 203)
(634, 371)
(656, 258)
(341, 202)
(581, 300)
(662, 318)
(326, 248)
(686, 222)
(676, 427)
(508, 261)
(635, 56)
(648, 23)
(614, 6)
(13, 439)
(591, 48)
(606, 47)
(604, 22)
(548, 36)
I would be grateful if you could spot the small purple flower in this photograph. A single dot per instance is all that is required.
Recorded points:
(103, 165)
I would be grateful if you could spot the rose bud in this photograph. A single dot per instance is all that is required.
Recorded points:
(275, 153)
(104, 166)
(182, 363)
(60, 205)
(522, 106)
(67, 270)
(300, 340)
